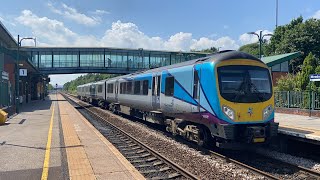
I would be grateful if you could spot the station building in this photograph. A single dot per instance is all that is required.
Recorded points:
(31, 83)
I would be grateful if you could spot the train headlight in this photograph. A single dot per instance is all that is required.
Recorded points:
(228, 112)
(267, 111)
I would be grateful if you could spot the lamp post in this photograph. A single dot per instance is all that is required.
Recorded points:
(260, 37)
(18, 71)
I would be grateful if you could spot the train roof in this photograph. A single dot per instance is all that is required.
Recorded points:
(217, 57)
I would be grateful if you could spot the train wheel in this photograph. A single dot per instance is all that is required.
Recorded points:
(202, 137)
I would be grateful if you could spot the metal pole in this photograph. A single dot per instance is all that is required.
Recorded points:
(17, 78)
(310, 100)
(260, 44)
(276, 13)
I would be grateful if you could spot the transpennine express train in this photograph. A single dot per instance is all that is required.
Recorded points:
(226, 99)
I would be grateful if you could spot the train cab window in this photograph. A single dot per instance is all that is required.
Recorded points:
(136, 88)
(195, 84)
(99, 88)
(145, 87)
(169, 86)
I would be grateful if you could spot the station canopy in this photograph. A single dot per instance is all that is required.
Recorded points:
(278, 59)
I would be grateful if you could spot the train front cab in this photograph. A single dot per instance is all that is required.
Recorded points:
(246, 99)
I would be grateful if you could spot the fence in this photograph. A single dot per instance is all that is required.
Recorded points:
(297, 99)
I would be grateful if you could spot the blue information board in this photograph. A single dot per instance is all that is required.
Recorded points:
(314, 77)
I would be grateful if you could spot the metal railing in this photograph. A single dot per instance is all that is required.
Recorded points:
(297, 99)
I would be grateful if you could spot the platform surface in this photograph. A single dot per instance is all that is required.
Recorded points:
(77, 150)
(299, 126)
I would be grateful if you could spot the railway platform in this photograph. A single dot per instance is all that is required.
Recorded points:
(51, 140)
(303, 128)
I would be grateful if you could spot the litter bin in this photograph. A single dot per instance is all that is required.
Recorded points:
(3, 116)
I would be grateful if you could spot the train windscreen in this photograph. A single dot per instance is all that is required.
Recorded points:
(244, 84)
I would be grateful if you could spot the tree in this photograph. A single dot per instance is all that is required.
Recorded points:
(309, 67)
(71, 86)
(209, 50)
(296, 36)
(252, 49)
(50, 87)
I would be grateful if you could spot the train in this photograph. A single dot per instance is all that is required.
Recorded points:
(225, 99)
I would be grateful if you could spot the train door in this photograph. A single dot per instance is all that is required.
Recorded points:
(156, 80)
(116, 90)
(196, 87)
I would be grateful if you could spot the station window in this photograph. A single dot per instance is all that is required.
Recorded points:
(145, 87)
(136, 88)
(169, 86)
(99, 88)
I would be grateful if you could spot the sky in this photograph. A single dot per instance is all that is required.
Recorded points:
(160, 25)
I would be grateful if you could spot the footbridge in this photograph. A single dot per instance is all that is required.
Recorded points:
(69, 60)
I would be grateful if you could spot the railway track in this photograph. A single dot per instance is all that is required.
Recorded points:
(148, 162)
(269, 168)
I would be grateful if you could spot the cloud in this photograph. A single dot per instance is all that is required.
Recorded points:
(73, 14)
(316, 15)
(51, 32)
(251, 38)
(128, 35)
(100, 12)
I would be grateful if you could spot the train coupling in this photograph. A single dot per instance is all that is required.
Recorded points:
(256, 134)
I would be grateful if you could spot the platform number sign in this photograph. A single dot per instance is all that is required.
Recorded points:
(23, 72)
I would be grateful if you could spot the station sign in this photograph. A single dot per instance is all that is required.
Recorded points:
(23, 72)
(314, 77)
(5, 75)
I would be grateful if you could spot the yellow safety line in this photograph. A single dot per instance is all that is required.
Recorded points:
(45, 170)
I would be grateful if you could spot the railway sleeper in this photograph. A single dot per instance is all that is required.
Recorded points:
(144, 160)
(135, 152)
(131, 149)
(139, 156)
(155, 170)
(158, 163)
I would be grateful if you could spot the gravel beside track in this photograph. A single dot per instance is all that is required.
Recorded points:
(202, 165)
(299, 161)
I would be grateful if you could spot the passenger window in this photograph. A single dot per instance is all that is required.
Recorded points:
(145, 87)
(111, 88)
(195, 84)
(153, 85)
(99, 88)
(136, 87)
(169, 86)
(129, 87)
(158, 86)
(122, 88)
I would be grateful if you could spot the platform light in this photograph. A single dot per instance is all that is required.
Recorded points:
(260, 38)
